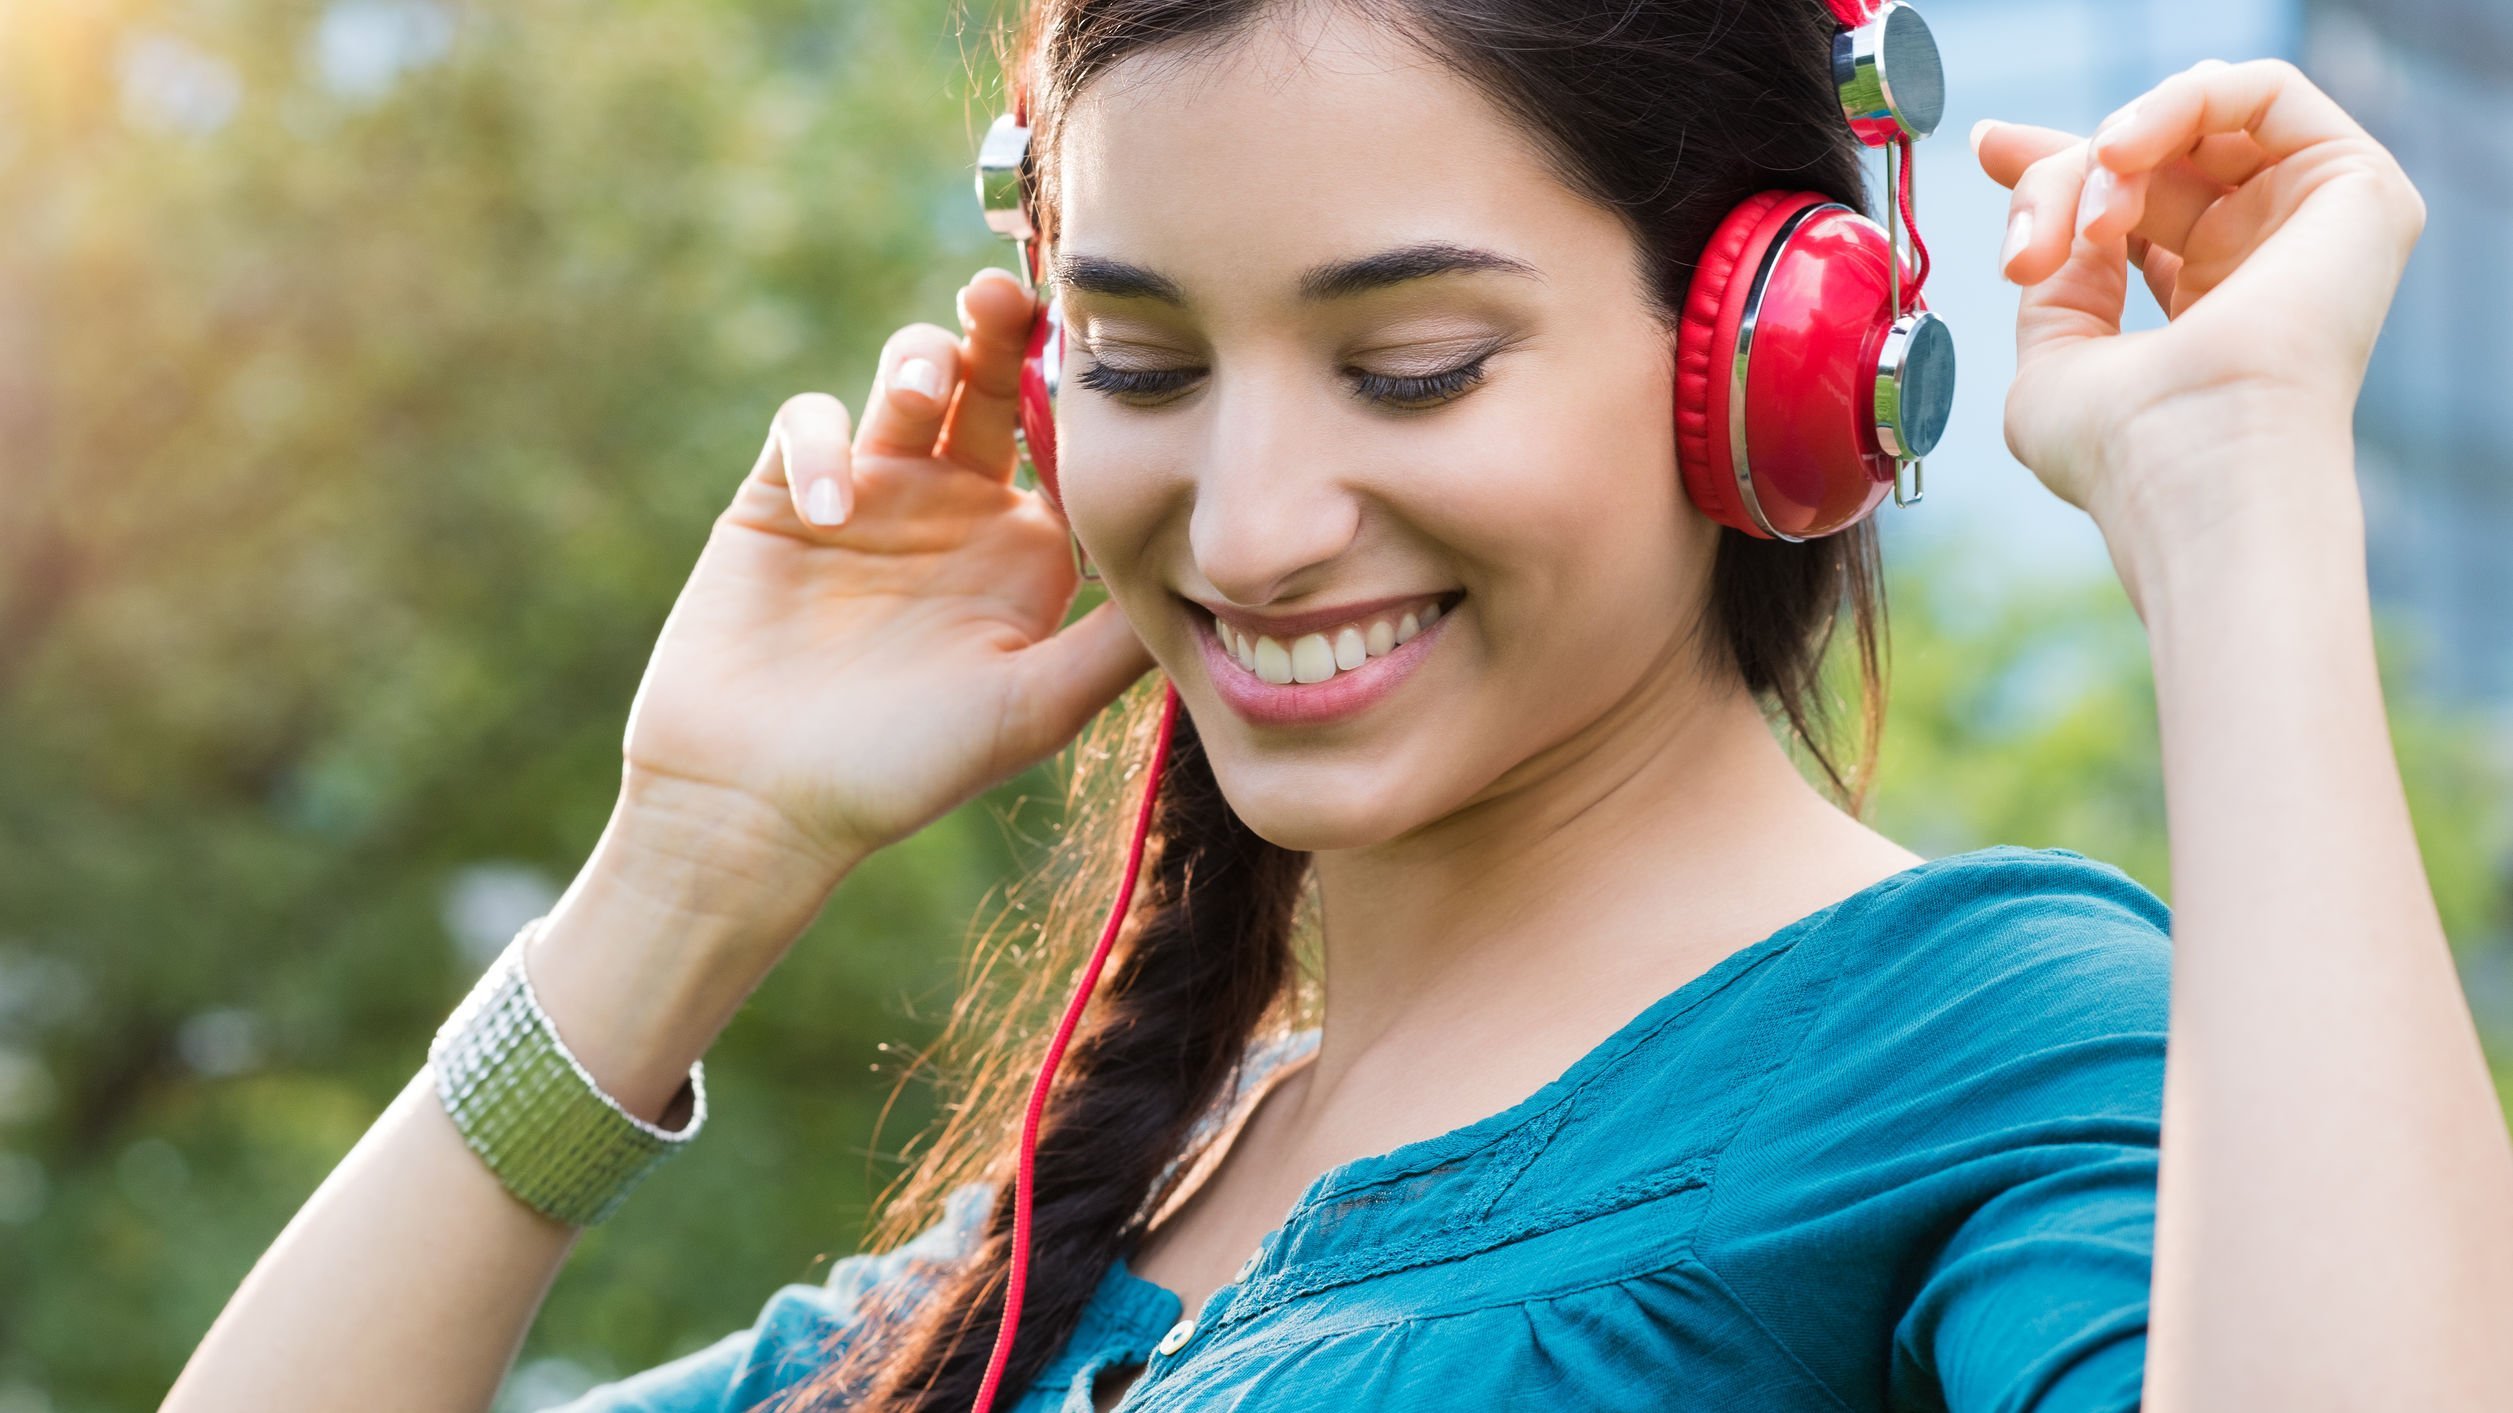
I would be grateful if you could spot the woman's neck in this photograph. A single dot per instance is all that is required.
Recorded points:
(1629, 858)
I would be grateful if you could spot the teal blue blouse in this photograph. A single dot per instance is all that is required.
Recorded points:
(1900, 1154)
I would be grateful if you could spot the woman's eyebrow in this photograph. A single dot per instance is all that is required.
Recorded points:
(1337, 279)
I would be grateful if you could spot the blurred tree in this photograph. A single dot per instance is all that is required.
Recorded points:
(370, 372)
(374, 370)
(2028, 717)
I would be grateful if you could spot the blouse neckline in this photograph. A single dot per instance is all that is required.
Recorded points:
(1140, 1293)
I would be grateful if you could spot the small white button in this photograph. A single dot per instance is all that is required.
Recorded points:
(1177, 1337)
(1248, 1265)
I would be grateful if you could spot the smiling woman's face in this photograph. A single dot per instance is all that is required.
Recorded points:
(1342, 346)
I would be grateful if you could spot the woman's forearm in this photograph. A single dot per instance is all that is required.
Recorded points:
(405, 1283)
(410, 1277)
(2335, 1227)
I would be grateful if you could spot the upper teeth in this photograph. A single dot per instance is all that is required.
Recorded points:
(1314, 657)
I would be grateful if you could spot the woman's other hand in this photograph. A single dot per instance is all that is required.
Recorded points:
(2272, 231)
(870, 636)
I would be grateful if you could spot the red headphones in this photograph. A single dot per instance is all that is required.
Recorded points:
(1808, 375)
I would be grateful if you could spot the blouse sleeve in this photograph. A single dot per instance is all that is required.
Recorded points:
(2034, 1295)
(789, 1341)
(2039, 1300)
(1953, 1203)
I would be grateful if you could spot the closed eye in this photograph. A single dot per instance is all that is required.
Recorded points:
(1413, 392)
(1153, 387)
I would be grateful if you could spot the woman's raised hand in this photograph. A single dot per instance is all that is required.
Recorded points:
(2272, 231)
(871, 635)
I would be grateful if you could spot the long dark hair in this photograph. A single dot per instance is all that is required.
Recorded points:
(1666, 111)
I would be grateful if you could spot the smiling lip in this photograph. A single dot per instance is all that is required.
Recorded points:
(1309, 703)
(1291, 625)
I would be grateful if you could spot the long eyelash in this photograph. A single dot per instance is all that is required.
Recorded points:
(1099, 377)
(1427, 390)
(1392, 390)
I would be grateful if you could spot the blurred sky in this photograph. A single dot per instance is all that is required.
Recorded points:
(2061, 64)
(2435, 456)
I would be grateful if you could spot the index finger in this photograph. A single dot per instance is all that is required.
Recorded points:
(2283, 111)
(2005, 149)
(995, 314)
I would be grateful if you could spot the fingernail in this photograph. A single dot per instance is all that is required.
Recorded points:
(2019, 235)
(2114, 129)
(820, 503)
(919, 375)
(2108, 131)
(1980, 130)
(2100, 187)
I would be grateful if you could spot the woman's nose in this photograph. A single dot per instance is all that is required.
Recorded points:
(1271, 499)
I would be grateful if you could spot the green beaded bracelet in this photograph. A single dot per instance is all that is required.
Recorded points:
(527, 1106)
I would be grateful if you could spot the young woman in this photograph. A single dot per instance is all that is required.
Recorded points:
(1648, 1076)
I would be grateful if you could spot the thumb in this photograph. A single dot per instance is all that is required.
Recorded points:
(1060, 682)
(2068, 317)
(2082, 299)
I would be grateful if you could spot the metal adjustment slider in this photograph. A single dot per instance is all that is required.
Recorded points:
(1890, 78)
(1003, 174)
(1913, 395)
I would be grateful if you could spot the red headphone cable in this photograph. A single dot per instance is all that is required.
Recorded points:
(1911, 224)
(1056, 1050)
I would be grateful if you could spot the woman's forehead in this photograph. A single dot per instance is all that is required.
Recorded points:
(1293, 144)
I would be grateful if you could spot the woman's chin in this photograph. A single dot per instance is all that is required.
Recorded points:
(1300, 814)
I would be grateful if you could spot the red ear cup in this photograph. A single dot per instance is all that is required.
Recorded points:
(1700, 406)
(1777, 369)
(1042, 367)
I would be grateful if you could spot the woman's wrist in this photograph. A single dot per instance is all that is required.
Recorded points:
(718, 853)
(2251, 507)
(687, 903)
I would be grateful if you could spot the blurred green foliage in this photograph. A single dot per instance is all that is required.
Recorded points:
(2027, 716)
(369, 374)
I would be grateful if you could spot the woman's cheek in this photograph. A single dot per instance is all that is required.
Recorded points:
(1523, 476)
(1572, 496)
(1113, 478)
